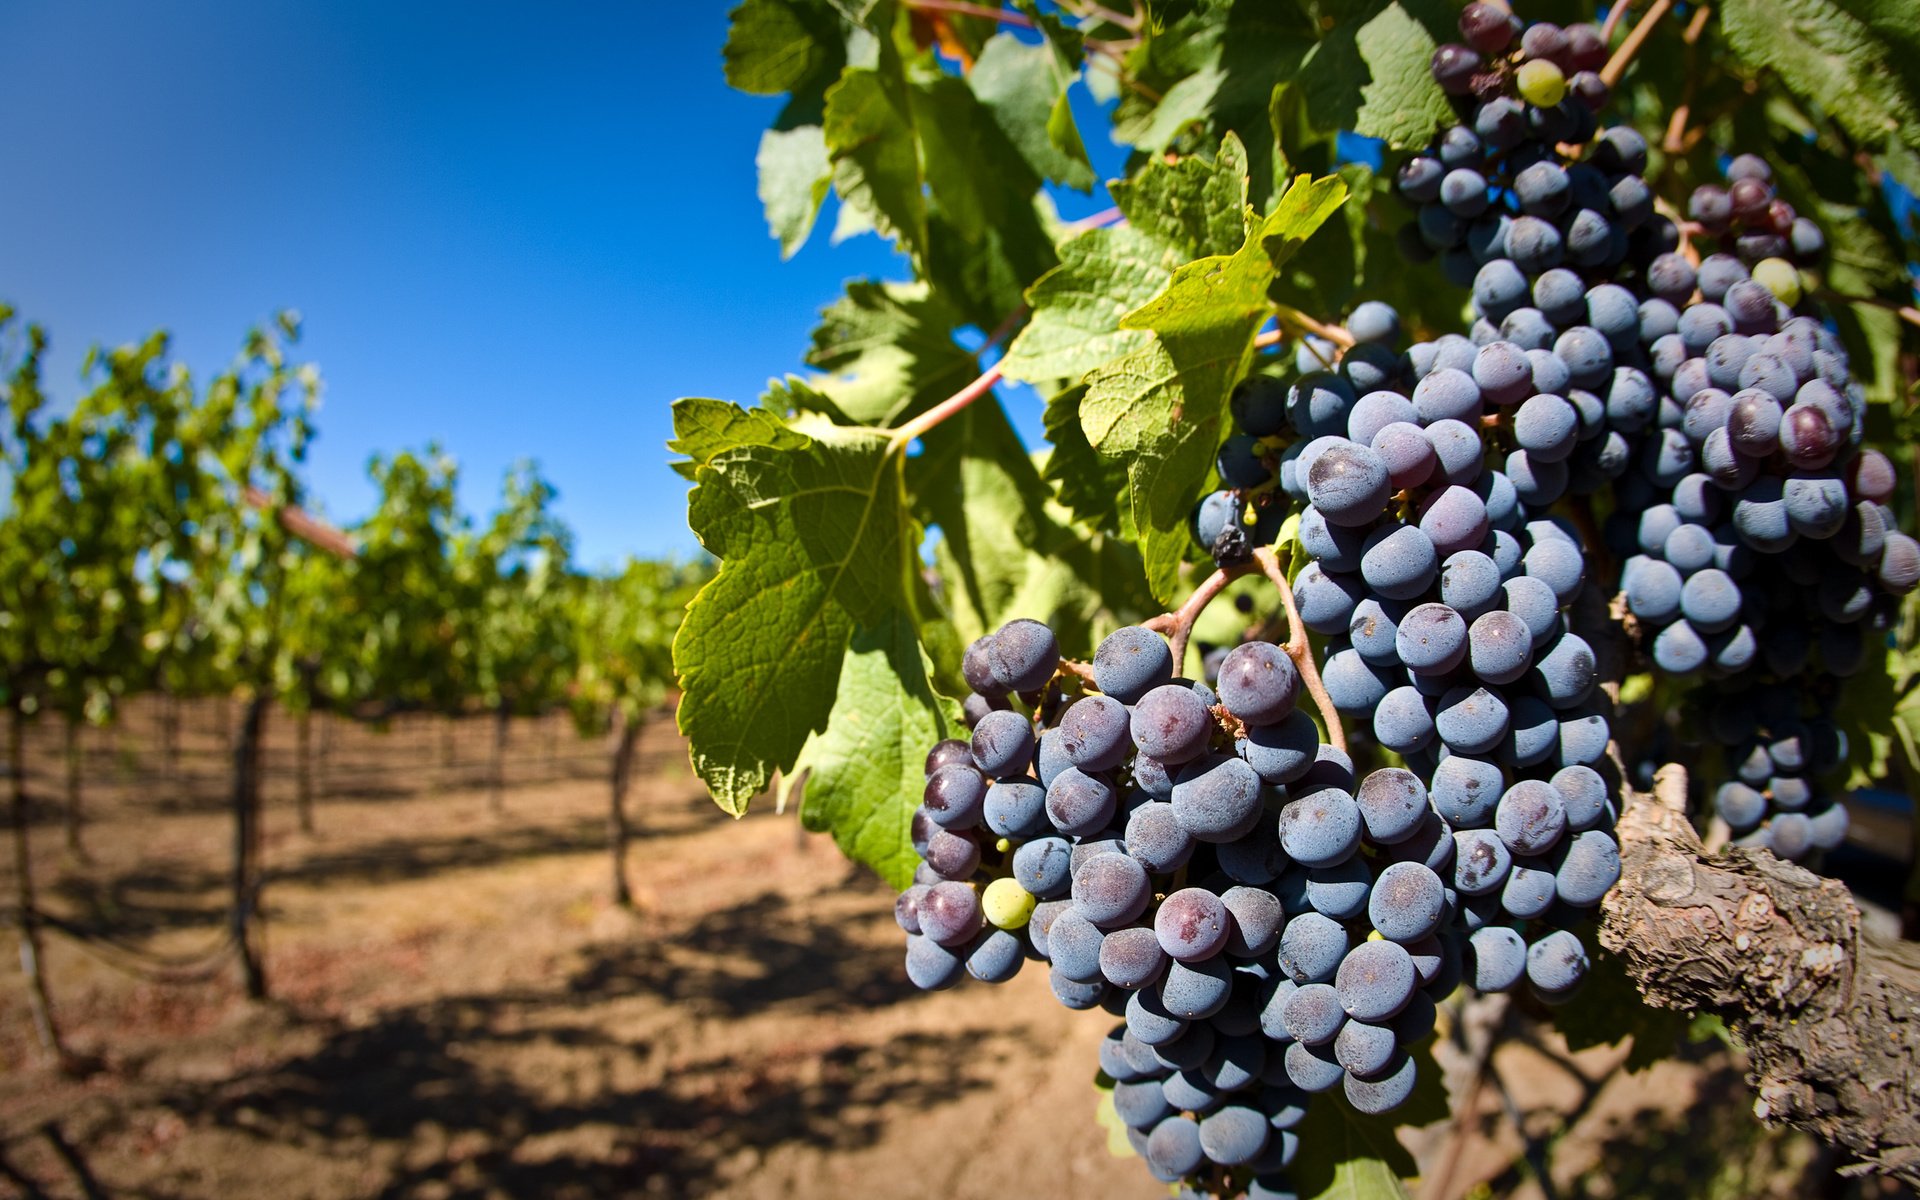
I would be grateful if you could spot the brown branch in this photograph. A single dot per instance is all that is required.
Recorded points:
(302, 524)
(1617, 65)
(1300, 650)
(1828, 1012)
(1298, 322)
(1178, 625)
(946, 408)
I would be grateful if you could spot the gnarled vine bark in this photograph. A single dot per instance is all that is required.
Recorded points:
(1829, 1013)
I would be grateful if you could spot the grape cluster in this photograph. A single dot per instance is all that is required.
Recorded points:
(1776, 752)
(1755, 225)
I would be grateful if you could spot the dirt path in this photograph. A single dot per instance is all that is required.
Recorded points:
(459, 1013)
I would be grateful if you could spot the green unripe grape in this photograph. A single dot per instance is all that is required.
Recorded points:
(1541, 83)
(1780, 277)
(1007, 904)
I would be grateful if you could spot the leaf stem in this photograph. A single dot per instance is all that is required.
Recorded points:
(1615, 15)
(1298, 322)
(960, 8)
(1300, 650)
(1617, 65)
(927, 420)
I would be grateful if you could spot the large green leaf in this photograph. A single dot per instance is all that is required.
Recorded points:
(1859, 60)
(1103, 275)
(795, 174)
(876, 159)
(776, 46)
(861, 775)
(806, 519)
(1023, 89)
(1194, 205)
(1162, 406)
(1371, 74)
(890, 349)
(1345, 1156)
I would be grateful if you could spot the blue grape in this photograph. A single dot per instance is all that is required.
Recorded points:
(1711, 600)
(1375, 625)
(1130, 662)
(1480, 862)
(1354, 685)
(1313, 1068)
(1534, 244)
(1218, 517)
(1258, 683)
(1348, 483)
(1318, 403)
(1533, 731)
(955, 797)
(1557, 962)
(1173, 1149)
(951, 855)
(1340, 892)
(1044, 867)
(1529, 890)
(1259, 406)
(930, 966)
(995, 956)
(1374, 411)
(1432, 639)
(1499, 287)
(1373, 321)
(1471, 720)
(1448, 394)
(1257, 920)
(1196, 990)
(1458, 451)
(1500, 647)
(1418, 179)
(1280, 753)
(1335, 547)
(1141, 1104)
(1155, 837)
(1003, 744)
(1454, 519)
(1079, 804)
(1217, 799)
(1542, 189)
(1365, 1049)
(1094, 733)
(1499, 958)
(1565, 674)
(1321, 829)
(1109, 889)
(1311, 947)
(1407, 903)
(1584, 794)
(1023, 655)
(1589, 867)
(1234, 1135)
(1392, 803)
(1171, 724)
(950, 913)
(1149, 1019)
(1466, 790)
(1402, 722)
(1530, 330)
(1375, 980)
(1192, 924)
(1313, 1014)
(1326, 598)
(1531, 817)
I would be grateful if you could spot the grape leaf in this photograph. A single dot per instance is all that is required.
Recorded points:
(860, 777)
(775, 46)
(1103, 275)
(1161, 406)
(876, 162)
(1371, 75)
(890, 348)
(1346, 1156)
(1022, 88)
(1854, 60)
(805, 517)
(1195, 206)
(795, 174)
(1088, 485)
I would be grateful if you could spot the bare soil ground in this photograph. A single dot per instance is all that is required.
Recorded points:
(458, 1012)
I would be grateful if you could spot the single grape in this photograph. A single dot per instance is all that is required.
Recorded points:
(1321, 829)
(1217, 799)
(1258, 683)
(1590, 866)
(1313, 1014)
(1498, 958)
(1094, 733)
(1170, 724)
(1196, 990)
(1257, 920)
(1375, 980)
(1023, 655)
(1311, 947)
(1003, 744)
(1407, 903)
(1080, 804)
(1111, 889)
(1557, 962)
(1481, 861)
(1016, 808)
(1130, 662)
(930, 966)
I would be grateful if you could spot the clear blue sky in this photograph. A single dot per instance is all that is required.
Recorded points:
(521, 230)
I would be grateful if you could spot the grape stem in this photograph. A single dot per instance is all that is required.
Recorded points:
(1617, 65)
(1300, 650)
(905, 434)
(1615, 15)
(1019, 20)
(1178, 625)
(1298, 322)
(1675, 141)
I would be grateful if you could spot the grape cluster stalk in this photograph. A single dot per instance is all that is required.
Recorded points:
(1643, 404)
